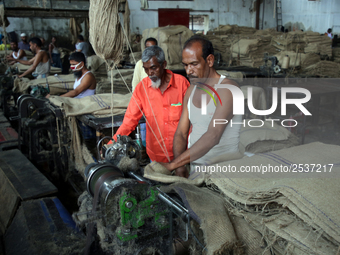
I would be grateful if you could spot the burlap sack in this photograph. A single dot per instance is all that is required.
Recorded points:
(94, 62)
(171, 39)
(23, 68)
(266, 138)
(318, 209)
(59, 84)
(95, 104)
(218, 232)
(156, 172)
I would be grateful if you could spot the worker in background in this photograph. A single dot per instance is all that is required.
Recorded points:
(160, 97)
(329, 33)
(4, 45)
(43, 44)
(82, 46)
(206, 141)
(40, 63)
(54, 53)
(16, 53)
(24, 45)
(139, 73)
(85, 83)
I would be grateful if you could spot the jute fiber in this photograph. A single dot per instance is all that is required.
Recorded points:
(79, 152)
(106, 34)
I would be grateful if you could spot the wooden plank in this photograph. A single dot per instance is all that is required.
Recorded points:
(24, 177)
(9, 200)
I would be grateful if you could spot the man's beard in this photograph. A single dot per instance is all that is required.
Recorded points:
(155, 83)
(77, 74)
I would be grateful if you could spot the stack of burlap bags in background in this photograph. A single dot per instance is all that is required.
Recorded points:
(316, 43)
(171, 39)
(336, 55)
(283, 212)
(250, 52)
(231, 29)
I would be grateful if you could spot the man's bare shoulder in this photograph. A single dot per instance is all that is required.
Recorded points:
(90, 76)
(230, 82)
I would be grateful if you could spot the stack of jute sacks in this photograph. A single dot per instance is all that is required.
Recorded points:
(231, 29)
(250, 52)
(336, 55)
(171, 39)
(294, 213)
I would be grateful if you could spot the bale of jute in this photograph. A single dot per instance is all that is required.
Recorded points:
(171, 39)
(106, 34)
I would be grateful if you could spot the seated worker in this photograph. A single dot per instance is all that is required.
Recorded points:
(24, 45)
(16, 54)
(85, 83)
(205, 140)
(139, 73)
(40, 64)
(82, 46)
(160, 97)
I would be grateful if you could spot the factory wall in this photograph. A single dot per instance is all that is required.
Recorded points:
(315, 16)
(240, 12)
(45, 28)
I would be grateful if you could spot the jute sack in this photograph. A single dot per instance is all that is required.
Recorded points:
(58, 84)
(318, 209)
(208, 210)
(23, 68)
(94, 104)
(171, 39)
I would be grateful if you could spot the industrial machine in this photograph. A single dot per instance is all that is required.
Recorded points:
(132, 215)
(269, 70)
(43, 133)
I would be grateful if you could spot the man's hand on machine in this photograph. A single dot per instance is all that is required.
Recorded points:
(47, 96)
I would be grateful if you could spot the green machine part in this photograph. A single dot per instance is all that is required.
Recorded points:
(134, 214)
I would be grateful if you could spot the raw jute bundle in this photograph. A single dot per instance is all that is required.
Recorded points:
(106, 34)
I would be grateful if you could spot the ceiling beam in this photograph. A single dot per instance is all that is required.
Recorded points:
(46, 13)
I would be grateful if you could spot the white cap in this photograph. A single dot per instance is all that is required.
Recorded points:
(22, 35)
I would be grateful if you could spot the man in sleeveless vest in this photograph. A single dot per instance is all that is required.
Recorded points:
(16, 53)
(203, 103)
(85, 83)
(40, 64)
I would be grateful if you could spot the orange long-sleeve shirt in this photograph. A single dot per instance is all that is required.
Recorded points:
(167, 109)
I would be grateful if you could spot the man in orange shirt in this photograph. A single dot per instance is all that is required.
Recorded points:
(160, 97)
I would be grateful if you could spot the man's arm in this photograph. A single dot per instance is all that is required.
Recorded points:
(33, 62)
(136, 76)
(181, 134)
(21, 54)
(213, 135)
(28, 62)
(50, 52)
(86, 82)
(132, 115)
